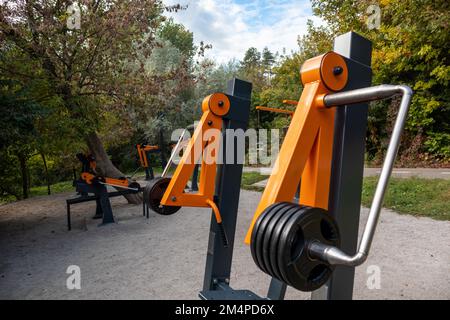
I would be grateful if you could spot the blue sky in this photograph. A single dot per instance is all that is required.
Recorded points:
(232, 26)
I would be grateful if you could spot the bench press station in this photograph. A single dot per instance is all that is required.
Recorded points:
(311, 245)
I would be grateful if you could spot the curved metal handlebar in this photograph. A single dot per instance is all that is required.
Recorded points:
(176, 149)
(332, 254)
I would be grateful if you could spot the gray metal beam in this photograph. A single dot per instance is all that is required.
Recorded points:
(348, 162)
(228, 184)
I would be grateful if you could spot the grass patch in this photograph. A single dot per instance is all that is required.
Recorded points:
(250, 178)
(7, 199)
(59, 187)
(418, 197)
(414, 196)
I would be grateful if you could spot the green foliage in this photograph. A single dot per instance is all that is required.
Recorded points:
(439, 144)
(276, 78)
(123, 67)
(252, 68)
(177, 104)
(10, 176)
(18, 113)
(287, 76)
(410, 47)
(318, 40)
(19, 110)
(251, 61)
(215, 77)
(180, 38)
(268, 59)
(130, 73)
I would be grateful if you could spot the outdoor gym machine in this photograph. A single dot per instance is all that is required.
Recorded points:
(177, 148)
(306, 245)
(144, 151)
(290, 113)
(166, 195)
(157, 185)
(299, 244)
(93, 187)
(90, 177)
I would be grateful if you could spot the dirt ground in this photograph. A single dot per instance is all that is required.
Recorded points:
(164, 257)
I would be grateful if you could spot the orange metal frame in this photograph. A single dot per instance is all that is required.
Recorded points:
(306, 153)
(290, 102)
(204, 144)
(91, 178)
(142, 152)
(277, 110)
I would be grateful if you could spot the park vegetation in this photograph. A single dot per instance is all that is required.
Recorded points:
(130, 74)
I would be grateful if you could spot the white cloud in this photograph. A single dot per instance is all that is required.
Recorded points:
(231, 27)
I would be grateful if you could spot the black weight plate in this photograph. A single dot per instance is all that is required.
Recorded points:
(297, 268)
(283, 261)
(275, 240)
(269, 236)
(292, 242)
(253, 241)
(148, 189)
(254, 234)
(153, 194)
(253, 237)
(258, 233)
(260, 225)
(322, 228)
(280, 208)
(319, 225)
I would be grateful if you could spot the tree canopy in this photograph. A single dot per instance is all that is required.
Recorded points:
(127, 73)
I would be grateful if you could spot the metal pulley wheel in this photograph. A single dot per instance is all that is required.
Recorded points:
(134, 186)
(280, 241)
(153, 194)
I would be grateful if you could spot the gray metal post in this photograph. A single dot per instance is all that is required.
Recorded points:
(194, 182)
(219, 258)
(277, 290)
(348, 162)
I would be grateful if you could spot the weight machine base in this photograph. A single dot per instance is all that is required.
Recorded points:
(225, 292)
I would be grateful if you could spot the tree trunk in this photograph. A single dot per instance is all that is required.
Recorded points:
(24, 172)
(47, 177)
(29, 178)
(104, 165)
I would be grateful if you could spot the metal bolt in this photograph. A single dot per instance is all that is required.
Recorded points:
(215, 281)
(221, 104)
(174, 199)
(338, 70)
(210, 123)
(227, 281)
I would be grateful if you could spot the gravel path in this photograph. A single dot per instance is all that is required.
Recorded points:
(164, 257)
